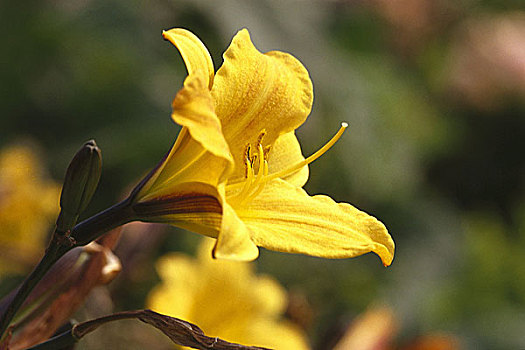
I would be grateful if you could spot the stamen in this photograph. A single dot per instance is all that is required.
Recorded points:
(260, 172)
(267, 150)
(254, 184)
(261, 137)
(260, 188)
(247, 160)
(310, 159)
(248, 183)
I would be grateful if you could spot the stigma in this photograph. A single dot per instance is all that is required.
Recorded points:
(256, 169)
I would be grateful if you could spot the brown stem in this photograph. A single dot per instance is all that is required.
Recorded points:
(179, 331)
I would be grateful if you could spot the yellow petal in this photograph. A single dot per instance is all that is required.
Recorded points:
(255, 92)
(263, 294)
(200, 153)
(275, 335)
(233, 242)
(181, 276)
(285, 218)
(286, 152)
(193, 108)
(193, 52)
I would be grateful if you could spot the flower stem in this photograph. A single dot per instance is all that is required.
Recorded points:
(92, 228)
(61, 341)
(83, 233)
(55, 250)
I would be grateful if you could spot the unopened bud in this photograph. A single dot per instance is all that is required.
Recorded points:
(80, 183)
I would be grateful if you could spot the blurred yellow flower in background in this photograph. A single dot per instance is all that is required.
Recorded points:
(236, 170)
(225, 299)
(28, 208)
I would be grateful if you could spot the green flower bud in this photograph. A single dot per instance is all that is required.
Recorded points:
(80, 183)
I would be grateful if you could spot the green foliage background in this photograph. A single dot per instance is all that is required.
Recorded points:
(444, 174)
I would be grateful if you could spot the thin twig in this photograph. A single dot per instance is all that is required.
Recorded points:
(179, 331)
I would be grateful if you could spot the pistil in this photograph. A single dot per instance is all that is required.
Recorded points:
(319, 153)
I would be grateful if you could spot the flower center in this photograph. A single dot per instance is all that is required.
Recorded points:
(257, 169)
(253, 183)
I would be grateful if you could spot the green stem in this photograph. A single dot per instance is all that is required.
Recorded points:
(54, 252)
(83, 233)
(94, 227)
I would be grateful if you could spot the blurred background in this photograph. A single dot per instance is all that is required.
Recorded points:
(433, 91)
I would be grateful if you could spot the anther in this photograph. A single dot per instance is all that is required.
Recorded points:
(261, 137)
(246, 159)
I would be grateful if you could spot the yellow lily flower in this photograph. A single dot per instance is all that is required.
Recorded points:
(28, 204)
(226, 299)
(236, 171)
